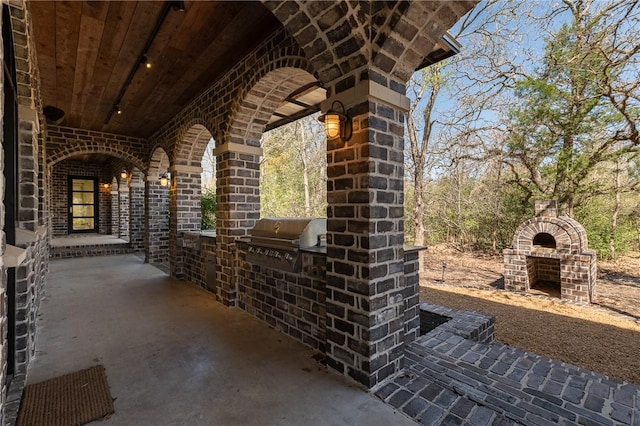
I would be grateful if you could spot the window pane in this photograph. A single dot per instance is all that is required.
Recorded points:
(82, 224)
(82, 185)
(83, 198)
(82, 211)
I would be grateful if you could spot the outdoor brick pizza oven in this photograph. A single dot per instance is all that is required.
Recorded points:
(551, 254)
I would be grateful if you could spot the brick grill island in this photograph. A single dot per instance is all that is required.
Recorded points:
(551, 252)
(286, 286)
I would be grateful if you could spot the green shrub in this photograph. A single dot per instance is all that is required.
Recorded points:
(208, 203)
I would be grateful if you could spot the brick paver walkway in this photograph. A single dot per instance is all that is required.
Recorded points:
(450, 380)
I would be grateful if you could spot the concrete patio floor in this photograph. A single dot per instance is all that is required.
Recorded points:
(174, 356)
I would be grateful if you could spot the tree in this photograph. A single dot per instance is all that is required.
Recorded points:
(451, 95)
(293, 170)
(208, 163)
(580, 110)
(208, 205)
(208, 184)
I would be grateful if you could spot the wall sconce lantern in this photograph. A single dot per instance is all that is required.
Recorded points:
(123, 174)
(164, 179)
(106, 185)
(336, 123)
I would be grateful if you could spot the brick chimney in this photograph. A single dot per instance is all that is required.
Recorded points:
(546, 208)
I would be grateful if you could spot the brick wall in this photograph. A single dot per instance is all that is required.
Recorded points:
(411, 294)
(60, 173)
(30, 279)
(199, 252)
(292, 303)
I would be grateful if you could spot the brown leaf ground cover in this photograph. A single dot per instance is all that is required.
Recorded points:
(603, 337)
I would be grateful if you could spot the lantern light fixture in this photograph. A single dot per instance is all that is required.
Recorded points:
(164, 179)
(337, 123)
(123, 174)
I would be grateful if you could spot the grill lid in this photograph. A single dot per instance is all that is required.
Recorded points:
(303, 232)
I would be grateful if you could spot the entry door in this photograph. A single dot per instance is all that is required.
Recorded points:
(83, 204)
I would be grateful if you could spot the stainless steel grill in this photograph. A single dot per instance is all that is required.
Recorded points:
(275, 242)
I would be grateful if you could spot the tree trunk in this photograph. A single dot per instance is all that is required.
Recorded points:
(496, 213)
(305, 172)
(616, 212)
(418, 209)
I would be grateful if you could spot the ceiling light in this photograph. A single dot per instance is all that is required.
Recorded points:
(147, 63)
(123, 174)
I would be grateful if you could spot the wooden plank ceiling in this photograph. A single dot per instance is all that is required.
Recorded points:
(87, 49)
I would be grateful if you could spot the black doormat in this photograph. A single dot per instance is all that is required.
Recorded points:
(69, 400)
(429, 321)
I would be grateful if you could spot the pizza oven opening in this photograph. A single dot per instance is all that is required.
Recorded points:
(544, 240)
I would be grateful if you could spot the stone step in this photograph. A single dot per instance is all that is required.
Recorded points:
(65, 252)
(452, 380)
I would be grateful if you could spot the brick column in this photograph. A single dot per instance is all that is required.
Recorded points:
(157, 222)
(365, 257)
(136, 215)
(238, 209)
(123, 199)
(185, 211)
(115, 210)
(25, 279)
(28, 168)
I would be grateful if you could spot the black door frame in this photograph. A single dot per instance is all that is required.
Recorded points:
(96, 207)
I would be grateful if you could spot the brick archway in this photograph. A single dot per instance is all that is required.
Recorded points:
(80, 148)
(413, 31)
(258, 104)
(158, 164)
(193, 139)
